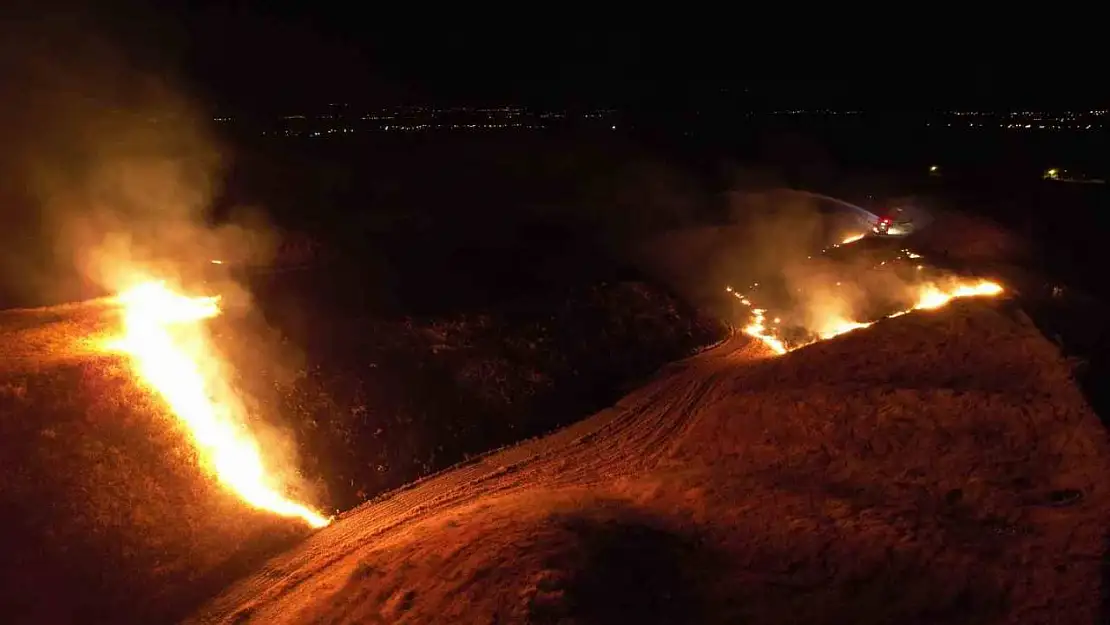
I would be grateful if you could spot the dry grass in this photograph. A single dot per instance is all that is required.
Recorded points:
(105, 511)
(897, 475)
(109, 518)
(933, 446)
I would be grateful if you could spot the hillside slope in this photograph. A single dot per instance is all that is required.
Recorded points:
(940, 466)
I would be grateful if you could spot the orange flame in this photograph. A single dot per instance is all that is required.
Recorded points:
(172, 356)
(837, 326)
(931, 296)
(758, 329)
(926, 297)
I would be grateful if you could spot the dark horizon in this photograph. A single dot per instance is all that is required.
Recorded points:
(267, 57)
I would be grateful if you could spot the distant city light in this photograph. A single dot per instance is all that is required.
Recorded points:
(343, 119)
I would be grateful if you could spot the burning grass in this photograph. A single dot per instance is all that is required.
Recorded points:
(173, 357)
(917, 472)
(112, 519)
(827, 303)
(107, 518)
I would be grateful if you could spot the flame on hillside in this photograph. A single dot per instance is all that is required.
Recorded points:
(924, 296)
(171, 354)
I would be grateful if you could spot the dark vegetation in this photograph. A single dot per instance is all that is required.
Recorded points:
(379, 402)
(468, 293)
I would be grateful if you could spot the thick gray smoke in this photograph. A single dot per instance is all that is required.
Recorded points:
(773, 236)
(767, 230)
(109, 175)
(107, 169)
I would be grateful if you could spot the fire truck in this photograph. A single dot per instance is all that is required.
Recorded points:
(894, 222)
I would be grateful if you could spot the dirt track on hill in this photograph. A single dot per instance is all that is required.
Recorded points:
(906, 473)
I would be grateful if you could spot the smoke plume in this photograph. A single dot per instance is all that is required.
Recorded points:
(109, 167)
(111, 173)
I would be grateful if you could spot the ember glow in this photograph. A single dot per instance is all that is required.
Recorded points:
(170, 353)
(931, 296)
(848, 240)
(837, 326)
(757, 328)
(926, 296)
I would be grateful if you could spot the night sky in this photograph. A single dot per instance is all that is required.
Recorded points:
(258, 55)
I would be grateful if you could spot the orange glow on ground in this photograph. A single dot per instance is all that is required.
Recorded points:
(927, 296)
(170, 354)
